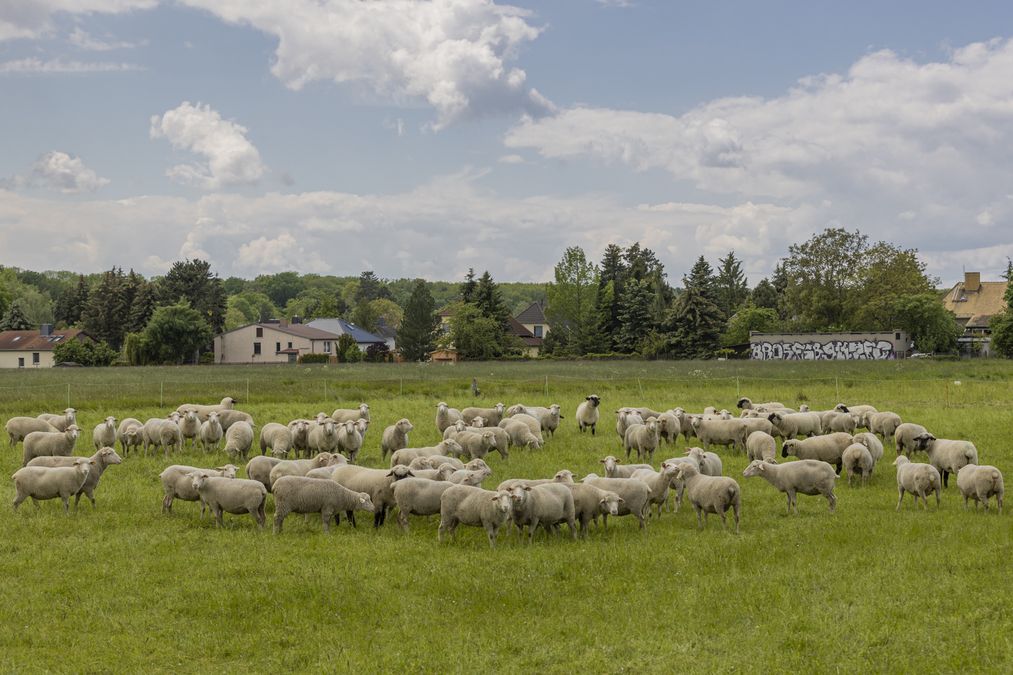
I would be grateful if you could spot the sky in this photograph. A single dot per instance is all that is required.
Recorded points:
(422, 138)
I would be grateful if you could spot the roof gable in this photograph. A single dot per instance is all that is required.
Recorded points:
(985, 302)
(534, 313)
(34, 341)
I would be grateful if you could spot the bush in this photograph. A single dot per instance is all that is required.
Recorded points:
(345, 341)
(86, 353)
(315, 358)
(352, 354)
(378, 352)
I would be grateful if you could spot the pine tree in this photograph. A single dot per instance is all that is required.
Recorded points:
(193, 281)
(695, 325)
(145, 302)
(765, 295)
(701, 278)
(105, 316)
(610, 287)
(72, 302)
(489, 300)
(469, 286)
(417, 336)
(730, 284)
(634, 316)
(14, 318)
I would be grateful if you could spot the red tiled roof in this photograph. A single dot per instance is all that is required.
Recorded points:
(526, 336)
(34, 341)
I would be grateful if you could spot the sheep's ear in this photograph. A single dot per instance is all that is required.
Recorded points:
(622, 501)
(527, 488)
(602, 461)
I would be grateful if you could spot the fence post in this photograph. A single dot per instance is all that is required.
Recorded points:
(68, 394)
(401, 390)
(546, 385)
(325, 389)
(946, 400)
(641, 388)
(247, 389)
(738, 393)
(161, 394)
(837, 385)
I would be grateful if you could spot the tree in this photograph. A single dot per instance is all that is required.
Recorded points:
(747, 319)
(887, 272)
(765, 295)
(14, 318)
(694, 325)
(145, 302)
(377, 352)
(1002, 333)
(280, 287)
(634, 316)
(469, 286)
(821, 273)
(105, 316)
(193, 281)
(365, 316)
(388, 312)
(370, 288)
(489, 300)
(248, 307)
(417, 336)
(174, 334)
(346, 343)
(701, 279)
(611, 280)
(84, 352)
(571, 303)
(730, 286)
(476, 336)
(932, 327)
(71, 303)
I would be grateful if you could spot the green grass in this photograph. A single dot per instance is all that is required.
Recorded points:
(124, 588)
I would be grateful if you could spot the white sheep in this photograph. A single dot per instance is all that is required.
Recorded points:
(806, 476)
(418, 497)
(905, 435)
(615, 469)
(259, 469)
(658, 483)
(918, 479)
(761, 445)
(720, 432)
(476, 443)
(547, 505)
(643, 438)
(323, 436)
(624, 418)
(350, 439)
(708, 463)
(980, 483)
(239, 439)
(827, 448)
(47, 443)
(227, 403)
(229, 417)
(587, 413)
(104, 434)
(884, 424)
(857, 460)
(434, 462)
(838, 421)
(300, 467)
(948, 456)
(100, 461)
(872, 442)
(377, 483)
(710, 494)
(231, 495)
(395, 437)
(561, 476)
(130, 434)
(351, 415)
(589, 502)
(792, 425)
(547, 418)
(60, 421)
(19, 427)
(635, 496)
(501, 435)
(300, 430)
(747, 404)
(492, 416)
(211, 432)
(521, 434)
(161, 432)
(860, 412)
(177, 483)
(189, 426)
(467, 505)
(299, 494)
(446, 416)
(277, 437)
(446, 448)
(43, 482)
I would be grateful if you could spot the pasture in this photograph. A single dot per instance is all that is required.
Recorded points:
(123, 587)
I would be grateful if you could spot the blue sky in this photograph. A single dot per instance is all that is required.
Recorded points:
(423, 138)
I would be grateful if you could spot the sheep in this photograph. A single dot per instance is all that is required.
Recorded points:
(354, 415)
(532, 422)
(806, 476)
(856, 458)
(60, 421)
(43, 482)
(19, 427)
(747, 404)
(948, 456)
(918, 479)
(501, 436)
(404, 456)
(547, 418)
(323, 436)
(980, 483)
(229, 417)
(685, 423)
(177, 483)
(762, 446)
(872, 442)
(442, 474)
(211, 432)
(827, 448)
(589, 502)
(587, 413)
(48, 443)
(492, 416)
(861, 412)
(238, 439)
(300, 430)
(227, 403)
(231, 495)
(100, 461)
(562, 476)
(904, 437)
(658, 482)
(189, 426)
(300, 467)
(277, 437)
(647, 412)
(259, 469)
(634, 493)
(395, 437)
(298, 494)
(792, 425)
(464, 504)
(350, 440)
(418, 497)
(547, 505)
(838, 421)
(161, 432)
(446, 416)
(476, 444)
(643, 438)
(624, 418)
(468, 477)
(669, 427)
(130, 434)
(434, 462)
(376, 482)
(884, 424)
(476, 423)
(613, 469)
(720, 432)
(521, 434)
(710, 494)
(708, 463)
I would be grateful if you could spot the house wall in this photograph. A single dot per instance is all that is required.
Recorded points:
(829, 346)
(237, 346)
(10, 359)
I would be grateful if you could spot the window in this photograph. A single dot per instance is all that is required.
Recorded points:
(256, 348)
(896, 336)
(277, 347)
(290, 345)
(327, 346)
(537, 331)
(35, 358)
(260, 332)
(21, 362)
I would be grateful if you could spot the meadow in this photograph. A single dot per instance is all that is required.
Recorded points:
(123, 587)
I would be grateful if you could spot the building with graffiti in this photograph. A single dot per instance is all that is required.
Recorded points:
(858, 346)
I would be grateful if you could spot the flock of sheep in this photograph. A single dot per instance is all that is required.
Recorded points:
(309, 465)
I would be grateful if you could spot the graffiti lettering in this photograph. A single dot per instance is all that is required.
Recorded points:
(835, 350)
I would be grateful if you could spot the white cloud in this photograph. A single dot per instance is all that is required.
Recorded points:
(83, 40)
(59, 171)
(511, 159)
(29, 19)
(279, 254)
(32, 66)
(453, 54)
(230, 157)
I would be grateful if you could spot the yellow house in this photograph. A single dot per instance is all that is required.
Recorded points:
(533, 318)
(974, 302)
(34, 348)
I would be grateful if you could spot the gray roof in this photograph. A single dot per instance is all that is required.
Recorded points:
(339, 326)
(533, 314)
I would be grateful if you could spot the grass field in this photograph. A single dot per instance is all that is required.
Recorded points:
(124, 588)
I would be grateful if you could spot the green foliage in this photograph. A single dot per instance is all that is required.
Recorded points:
(280, 287)
(249, 307)
(747, 319)
(84, 352)
(345, 346)
(822, 273)
(174, 334)
(193, 281)
(694, 325)
(475, 335)
(634, 315)
(314, 358)
(571, 307)
(469, 286)
(352, 354)
(378, 352)
(489, 300)
(416, 337)
(14, 318)
(108, 307)
(730, 286)
(887, 274)
(145, 302)
(932, 327)
(765, 295)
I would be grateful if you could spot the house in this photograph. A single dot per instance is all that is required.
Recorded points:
(448, 355)
(272, 342)
(531, 345)
(388, 333)
(34, 348)
(533, 318)
(339, 327)
(974, 302)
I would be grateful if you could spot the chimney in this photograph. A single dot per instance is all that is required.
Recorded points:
(283, 323)
(972, 282)
(46, 329)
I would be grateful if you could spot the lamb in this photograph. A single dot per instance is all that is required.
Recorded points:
(43, 482)
(211, 432)
(492, 416)
(229, 417)
(589, 502)
(323, 437)
(792, 425)
(277, 437)
(49, 443)
(404, 456)
(475, 444)
(884, 423)
(521, 434)
(99, 462)
(19, 427)
(130, 434)
(161, 432)
(177, 483)
(395, 437)
(613, 469)
(904, 437)
(446, 416)
(634, 493)
(720, 432)
(710, 494)
(587, 413)
(60, 421)
(643, 438)
(948, 456)
(350, 440)
(806, 476)
(838, 421)
(378, 483)
(300, 430)
(546, 505)
(624, 418)
(231, 495)
(858, 460)
(918, 479)
(658, 483)
(354, 415)
(872, 442)
(669, 427)
(238, 440)
(762, 446)
(298, 494)
(189, 427)
(227, 403)
(464, 504)
(434, 462)
(708, 463)
(418, 497)
(300, 467)
(829, 448)
(259, 469)
(980, 483)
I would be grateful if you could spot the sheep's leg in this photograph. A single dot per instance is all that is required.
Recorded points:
(832, 499)
(18, 498)
(787, 495)
(938, 494)
(900, 498)
(736, 507)
(724, 521)
(66, 503)
(699, 517)
(279, 520)
(326, 518)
